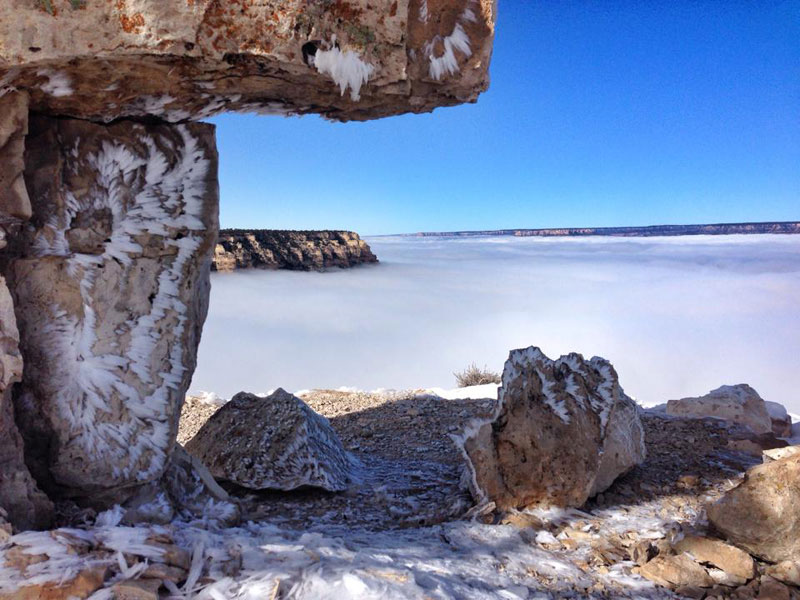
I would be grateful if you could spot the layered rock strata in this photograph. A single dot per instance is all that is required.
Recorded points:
(275, 442)
(110, 286)
(179, 60)
(562, 432)
(293, 250)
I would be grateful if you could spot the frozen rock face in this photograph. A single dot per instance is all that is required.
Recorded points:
(562, 432)
(179, 59)
(276, 442)
(762, 514)
(110, 283)
(737, 404)
(294, 250)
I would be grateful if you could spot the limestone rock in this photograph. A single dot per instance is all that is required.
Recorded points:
(111, 283)
(737, 404)
(73, 586)
(755, 444)
(136, 589)
(562, 431)
(787, 571)
(762, 514)
(273, 442)
(178, 59)
(730, 559)
(771, 589)
(14, 201)
(26, 506)
(676, 571)
(779, 453)
(781, 421)
(294, 250)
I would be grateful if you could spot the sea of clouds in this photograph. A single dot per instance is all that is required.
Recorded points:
(676, 316)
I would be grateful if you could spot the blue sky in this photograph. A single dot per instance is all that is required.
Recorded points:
(599, 114)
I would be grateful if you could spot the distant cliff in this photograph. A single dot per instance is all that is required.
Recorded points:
(294, 250)
(649, 231)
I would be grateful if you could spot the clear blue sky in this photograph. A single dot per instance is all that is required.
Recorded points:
(599, 114)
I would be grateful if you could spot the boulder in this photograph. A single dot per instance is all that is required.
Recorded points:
(179, 60)
(110, 282)
(755, 444)
(562, 431)
(762, 514)
(274, 442)
(787, 571)
(733, 561)
(781, 421)
(737, 404)
(675, 571)
(779, 453)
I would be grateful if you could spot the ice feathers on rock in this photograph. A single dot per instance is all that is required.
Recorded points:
(273, 442)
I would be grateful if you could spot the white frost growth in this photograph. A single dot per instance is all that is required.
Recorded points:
(345, 68)
(58, 84)
(458, 40)
(423, 11)
(169, 198)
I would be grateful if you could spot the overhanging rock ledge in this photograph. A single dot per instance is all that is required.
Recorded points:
(188, 59)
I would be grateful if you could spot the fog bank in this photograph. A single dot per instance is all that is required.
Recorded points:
(676, 316)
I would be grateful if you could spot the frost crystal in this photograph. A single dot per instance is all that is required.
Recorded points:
(57, 85)
(447, 63)
(345, 68)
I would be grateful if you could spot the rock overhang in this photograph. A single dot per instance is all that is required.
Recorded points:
(181, 60)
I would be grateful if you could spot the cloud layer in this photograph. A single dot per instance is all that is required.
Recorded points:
(676, 316)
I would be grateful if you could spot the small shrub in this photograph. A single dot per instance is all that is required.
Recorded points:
(474, 375)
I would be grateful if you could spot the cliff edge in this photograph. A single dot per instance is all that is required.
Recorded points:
(293, 250)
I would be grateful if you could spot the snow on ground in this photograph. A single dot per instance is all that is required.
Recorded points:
(473, 392)
(465, 560)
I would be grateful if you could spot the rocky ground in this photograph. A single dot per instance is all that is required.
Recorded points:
(407, 529)
(411, 472)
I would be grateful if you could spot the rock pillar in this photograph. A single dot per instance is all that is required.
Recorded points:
(110, 282)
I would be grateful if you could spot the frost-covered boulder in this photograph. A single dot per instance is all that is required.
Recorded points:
(737, 404)
(110, 281)
(563, 431)
(762, 514)
(273, 442)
